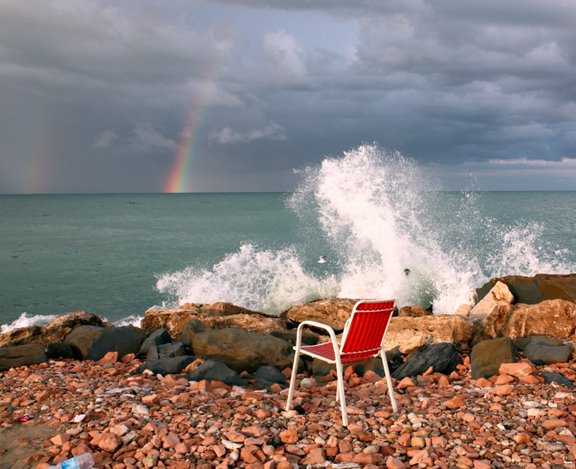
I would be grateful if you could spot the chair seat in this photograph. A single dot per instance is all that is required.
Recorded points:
(325, 352)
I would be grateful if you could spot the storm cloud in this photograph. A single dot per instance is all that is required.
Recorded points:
(100, 96)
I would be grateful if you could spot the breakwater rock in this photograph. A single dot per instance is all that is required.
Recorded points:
(533, 290)
(245, 341)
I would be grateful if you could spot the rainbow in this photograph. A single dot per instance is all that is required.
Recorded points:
(177, 180)
(179, 173)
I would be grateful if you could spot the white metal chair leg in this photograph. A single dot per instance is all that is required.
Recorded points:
(340, 392)
(389, 381)
(293, 380)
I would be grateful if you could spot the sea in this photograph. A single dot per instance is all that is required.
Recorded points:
(366, 224)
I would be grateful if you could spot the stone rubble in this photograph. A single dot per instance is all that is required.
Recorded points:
(129, 420)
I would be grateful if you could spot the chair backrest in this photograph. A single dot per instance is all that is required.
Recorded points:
(365, 329)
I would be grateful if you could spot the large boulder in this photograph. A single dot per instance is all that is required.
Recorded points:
(331, 311)
(94, 342)
(55, 331)
(218, 315)
(488, 355)
(239, 349)
(21, 355)
(409, 333)
(443, 358)
(533, 290)
(554, 318)
(498, 296)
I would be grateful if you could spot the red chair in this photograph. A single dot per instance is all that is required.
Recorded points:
(362, 339)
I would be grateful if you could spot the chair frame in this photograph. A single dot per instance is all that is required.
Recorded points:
(339, 352)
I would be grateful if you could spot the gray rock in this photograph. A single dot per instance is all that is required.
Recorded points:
(443, 358)
(61, 350)
(167, 366)
(21, 355)
(158, 337)
(551, 377)
(533, 290)
(213, 370)
(268, 375)
(177, 349)
(94, 342)
(522, 342)
(488, 355)
(190, 329)
(543, 354)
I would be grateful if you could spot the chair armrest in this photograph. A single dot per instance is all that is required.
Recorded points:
(319, 325)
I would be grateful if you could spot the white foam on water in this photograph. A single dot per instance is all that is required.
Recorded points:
(255, 278)
(378, 214)
(26, 321)
(133, 320)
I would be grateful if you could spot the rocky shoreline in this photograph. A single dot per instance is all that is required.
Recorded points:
(205, 386)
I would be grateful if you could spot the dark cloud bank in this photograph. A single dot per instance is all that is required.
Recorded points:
(100, 95)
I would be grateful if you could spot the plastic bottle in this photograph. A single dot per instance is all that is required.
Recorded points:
(82, 461)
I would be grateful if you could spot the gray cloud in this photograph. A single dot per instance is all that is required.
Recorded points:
(265, 87)
(228, 136)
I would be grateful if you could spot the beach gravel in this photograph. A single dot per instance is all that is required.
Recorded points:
(52, 411)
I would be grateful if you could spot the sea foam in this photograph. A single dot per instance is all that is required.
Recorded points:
(24, 320)
(387, 231)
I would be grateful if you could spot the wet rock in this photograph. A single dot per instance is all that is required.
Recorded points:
(533, 290)
(55, 331)
(167, 366)
(488, 355)
(213, 370)
(443, 358)
(22, 335)
(94, 342)
(21, 355)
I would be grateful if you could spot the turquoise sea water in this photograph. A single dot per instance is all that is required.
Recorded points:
(103, 253)
(118, 255)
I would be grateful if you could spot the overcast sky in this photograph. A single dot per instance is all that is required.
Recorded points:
(98, 96)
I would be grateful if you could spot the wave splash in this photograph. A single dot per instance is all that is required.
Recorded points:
(388, 232)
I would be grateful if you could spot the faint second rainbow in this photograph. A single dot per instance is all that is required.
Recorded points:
(180, 171)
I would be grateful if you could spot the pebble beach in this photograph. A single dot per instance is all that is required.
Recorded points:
(52, 411)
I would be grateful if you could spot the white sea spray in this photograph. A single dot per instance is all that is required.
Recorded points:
(26, 321)
(387, 231)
